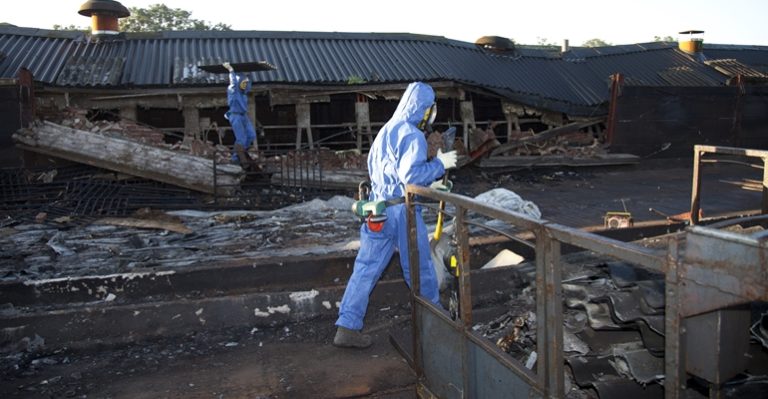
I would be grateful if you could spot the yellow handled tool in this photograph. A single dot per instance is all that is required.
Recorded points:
(449, 136)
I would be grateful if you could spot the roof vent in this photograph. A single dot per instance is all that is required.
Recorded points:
(694, 44)
(104, 15)
(497, 44)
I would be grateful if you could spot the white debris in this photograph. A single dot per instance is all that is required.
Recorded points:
(110, 297)
(504, 258)
(327, 305)
(301, 296)
(285, 309)
(259, 313)
(531, 360)
(508, 200)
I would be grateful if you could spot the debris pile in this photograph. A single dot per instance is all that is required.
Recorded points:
(613, 330)
(149, 239)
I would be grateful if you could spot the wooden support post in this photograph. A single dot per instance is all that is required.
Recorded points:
(513, 121)
(252, 116)
(764, 207)
(191, 124)
(468, 119)
(363, 119)
(303, 122)
(128, 112)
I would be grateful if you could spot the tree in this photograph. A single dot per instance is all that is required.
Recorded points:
(664, 39)
(71, 27)
(158, 17)
(595, 43)
(543, 41)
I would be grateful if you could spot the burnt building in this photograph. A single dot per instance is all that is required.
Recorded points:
(336, 89)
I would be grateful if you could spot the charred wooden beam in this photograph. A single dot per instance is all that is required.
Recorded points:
(546, 135)
(129, 157)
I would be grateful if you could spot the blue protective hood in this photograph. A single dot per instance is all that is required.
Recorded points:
(416, 100)
(398, 155)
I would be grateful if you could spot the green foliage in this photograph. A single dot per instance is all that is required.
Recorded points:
(158, 17)
(595, 43)
(664, 39)
(355, 80)
(543, 41)
(71, 27)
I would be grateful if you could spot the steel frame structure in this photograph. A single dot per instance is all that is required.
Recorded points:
(705, 270)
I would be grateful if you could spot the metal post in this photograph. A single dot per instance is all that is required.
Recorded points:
(465, 292)
(465, 288)
(764, 207)
(674, 362)
(413, 263)
(696, 185)
(549, 313)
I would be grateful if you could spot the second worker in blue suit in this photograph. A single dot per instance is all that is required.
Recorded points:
(237, 98)
(398, 157)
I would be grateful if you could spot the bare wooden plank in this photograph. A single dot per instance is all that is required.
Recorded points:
(146, 224)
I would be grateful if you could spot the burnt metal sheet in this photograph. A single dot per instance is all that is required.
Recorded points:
(759, 330)
(652, 340)
(626, 389)
(588, 369)
(718, 343)
(601, 342)
(645, 367)
(627, 275)
(652, 294)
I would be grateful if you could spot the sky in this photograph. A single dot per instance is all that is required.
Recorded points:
(742, 22)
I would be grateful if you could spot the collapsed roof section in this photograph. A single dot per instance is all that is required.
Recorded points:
(574, 82)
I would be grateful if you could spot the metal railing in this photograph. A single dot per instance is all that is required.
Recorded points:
(699, 154)
(450, 358)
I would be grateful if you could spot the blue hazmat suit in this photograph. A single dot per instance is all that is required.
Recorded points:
(237, 115)
(398, 156)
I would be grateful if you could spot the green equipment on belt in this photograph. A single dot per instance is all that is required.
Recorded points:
(372, 212)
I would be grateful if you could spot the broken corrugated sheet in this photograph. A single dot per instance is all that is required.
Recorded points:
(186, 71)
(733, 68)
(609, 348)
(92, 71)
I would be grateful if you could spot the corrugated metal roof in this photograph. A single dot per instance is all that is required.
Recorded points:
(755, 57)
(577, 78)
(732, 68)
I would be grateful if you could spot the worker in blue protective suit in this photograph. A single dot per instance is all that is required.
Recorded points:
(237, 98)
(398, 156)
